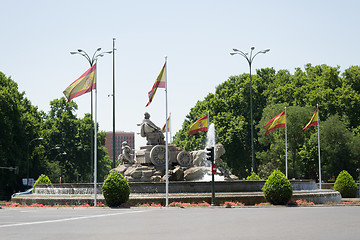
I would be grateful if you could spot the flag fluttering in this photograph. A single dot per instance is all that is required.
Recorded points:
(274, 123)
(200, 125)
(84, 84)
(168, 125)
(159, 83)
(313, 121)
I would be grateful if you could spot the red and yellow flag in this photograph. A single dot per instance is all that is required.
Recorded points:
(200, 125)
(168, 125)
(274, 123)
(84, 84)
(313, 121)
(159, 83)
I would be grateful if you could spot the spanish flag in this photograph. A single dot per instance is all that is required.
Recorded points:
(168, 125)
(313, 121)
(199, 126)
(159, 83)
(84, 84)
(276, 122)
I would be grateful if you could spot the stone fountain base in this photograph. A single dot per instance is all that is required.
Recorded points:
(248, 192)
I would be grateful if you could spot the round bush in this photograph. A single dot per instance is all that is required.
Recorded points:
(277, 189)
(346, 185)
(43, 179)
(253, 177)
(116, 189)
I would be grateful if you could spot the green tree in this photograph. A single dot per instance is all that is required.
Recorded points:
(72, 135)
(20, 123)
(272, 156)
(340, 148)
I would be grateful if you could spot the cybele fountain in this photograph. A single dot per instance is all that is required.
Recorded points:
(189, 178)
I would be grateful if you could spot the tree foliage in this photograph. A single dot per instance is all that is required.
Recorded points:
(337, 95)
(20, 123)
(60, 131)
(72, 135)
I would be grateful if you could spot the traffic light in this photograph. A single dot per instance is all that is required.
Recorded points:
(210, 154)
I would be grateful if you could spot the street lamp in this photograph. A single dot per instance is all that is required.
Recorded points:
(93, 58)
(250, 60)
(28, 164)
(91, 62)
(63, 153)
(54, 148)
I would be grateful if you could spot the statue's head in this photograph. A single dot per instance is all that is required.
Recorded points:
(124, 143)
(147, 115)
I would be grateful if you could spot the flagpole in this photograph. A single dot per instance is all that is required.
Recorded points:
(317, 108)
(286, 158)
(166, 132)
(95, 141)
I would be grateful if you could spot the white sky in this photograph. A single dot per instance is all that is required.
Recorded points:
(196, 35)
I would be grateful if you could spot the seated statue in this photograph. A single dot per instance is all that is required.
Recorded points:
(153, 133)
(126, 156)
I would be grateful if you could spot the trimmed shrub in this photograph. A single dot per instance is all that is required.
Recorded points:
(253, 177)
(116, 189)
(43, 179)
(277, 189)
(346, 185)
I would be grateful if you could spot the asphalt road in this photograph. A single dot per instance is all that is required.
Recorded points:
(181, 223)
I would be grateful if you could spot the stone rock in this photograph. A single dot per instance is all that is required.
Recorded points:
(155, 178)
(194, 173)
(122, 168)
(178, 174)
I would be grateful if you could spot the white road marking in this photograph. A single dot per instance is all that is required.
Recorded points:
(68, 219)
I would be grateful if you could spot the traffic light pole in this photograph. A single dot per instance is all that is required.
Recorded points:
(213, 190)
(211, 157)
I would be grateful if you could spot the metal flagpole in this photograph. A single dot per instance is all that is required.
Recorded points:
(286, 160)
(317, 108)
(95, 141)
(166, 132)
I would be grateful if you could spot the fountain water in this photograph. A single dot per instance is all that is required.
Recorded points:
(210, 142)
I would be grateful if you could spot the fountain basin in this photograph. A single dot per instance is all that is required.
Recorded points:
(248, 192)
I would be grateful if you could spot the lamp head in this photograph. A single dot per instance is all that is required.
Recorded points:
(252, 48)
(98, 49)
(265, 51)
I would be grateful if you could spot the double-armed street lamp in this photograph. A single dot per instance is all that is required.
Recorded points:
(28, 164)
(93, 58)
(250, 59)
(91, 61)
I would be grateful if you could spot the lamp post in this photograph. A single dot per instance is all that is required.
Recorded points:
(91, 62)
(28, 164)
(63, 153)
(113, 95)
(250, 59)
